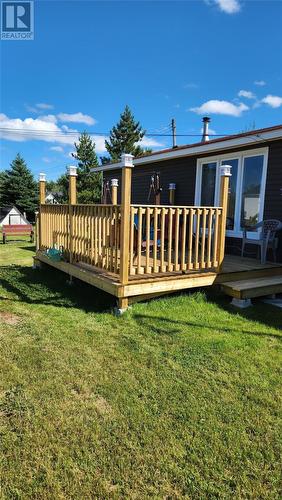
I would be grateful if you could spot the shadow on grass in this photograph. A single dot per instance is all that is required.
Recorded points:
(49, 287)
(28, 248)
(151, 322)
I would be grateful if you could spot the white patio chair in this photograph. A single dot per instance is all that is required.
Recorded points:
(267, 238)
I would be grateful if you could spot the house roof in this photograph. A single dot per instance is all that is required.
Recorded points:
(4, 211)
(221, 143)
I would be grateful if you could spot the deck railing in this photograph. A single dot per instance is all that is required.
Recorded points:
(170, 239)
(85, 233)
(133, 240)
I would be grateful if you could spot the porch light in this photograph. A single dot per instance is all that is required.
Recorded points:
(127, 160)
(42, 177)
(72, 170)
(171, 186)
(225, 170)
(114, 182)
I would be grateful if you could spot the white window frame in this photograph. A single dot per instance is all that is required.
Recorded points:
(240, 156)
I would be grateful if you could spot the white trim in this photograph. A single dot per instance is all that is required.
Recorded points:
(207, 147)
(240, 156)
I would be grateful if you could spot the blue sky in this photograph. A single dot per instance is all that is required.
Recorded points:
(165, 59)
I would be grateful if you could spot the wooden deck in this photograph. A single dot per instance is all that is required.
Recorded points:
(147, 286)
(136, 252)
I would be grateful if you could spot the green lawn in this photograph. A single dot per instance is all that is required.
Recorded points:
(178, 398)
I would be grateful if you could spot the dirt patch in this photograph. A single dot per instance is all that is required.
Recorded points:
(9, 318)
(102, 406)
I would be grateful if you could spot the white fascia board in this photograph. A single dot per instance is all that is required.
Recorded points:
(201, 149)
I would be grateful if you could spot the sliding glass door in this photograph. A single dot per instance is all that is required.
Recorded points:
(246, 191)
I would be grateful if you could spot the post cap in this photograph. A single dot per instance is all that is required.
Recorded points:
(72, 170)
(225, 170)
(114, 182)
(42, 177)
(127, 160)
(172, 185)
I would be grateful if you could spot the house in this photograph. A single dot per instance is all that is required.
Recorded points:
(10, 215)
(53, 197)
(190, 175)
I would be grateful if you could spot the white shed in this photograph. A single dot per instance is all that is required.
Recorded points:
(12, 216)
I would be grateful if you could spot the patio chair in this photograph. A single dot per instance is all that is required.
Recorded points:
(267, 238)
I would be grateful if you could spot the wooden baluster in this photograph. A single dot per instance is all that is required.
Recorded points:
(183, 242)
(197, 237)
(203, 242)
(190, 238)
(132, 234)
(139, 241)
(215, 241)
(155, 243)
(169, 252)
(210, 229)
(176, 240)
(162, 242)
(148, 239)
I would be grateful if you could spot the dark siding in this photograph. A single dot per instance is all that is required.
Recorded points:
(182, 171)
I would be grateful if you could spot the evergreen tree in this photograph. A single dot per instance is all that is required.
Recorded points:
(19, 188)
(88, 183)
(125, 136)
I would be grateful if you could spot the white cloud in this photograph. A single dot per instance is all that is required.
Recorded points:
(43, 105)
(76, 118)
(46, 159)
(148, 142)
(59, 149)
(272, 100)
(247, 94)
(38, 108)
(48, 118)
(217, 107)
(260, 83)
(227, 6)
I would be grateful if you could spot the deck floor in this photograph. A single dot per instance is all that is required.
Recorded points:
(234, 268)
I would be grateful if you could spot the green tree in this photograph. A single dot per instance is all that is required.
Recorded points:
(88, 183)
(125, 136)
(19, 188)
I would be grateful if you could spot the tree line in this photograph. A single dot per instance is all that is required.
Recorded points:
(18, 186)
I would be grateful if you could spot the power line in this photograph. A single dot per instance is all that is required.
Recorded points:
(72, 133)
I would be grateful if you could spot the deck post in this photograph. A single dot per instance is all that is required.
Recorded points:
(127, 165)
(42, 198)
(114, 186)
(225, 173)
(72, 201)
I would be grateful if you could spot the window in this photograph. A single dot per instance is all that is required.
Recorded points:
(246, 191)
(208, 184)
(251, 190)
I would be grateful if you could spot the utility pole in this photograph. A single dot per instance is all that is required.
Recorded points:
(173, 126)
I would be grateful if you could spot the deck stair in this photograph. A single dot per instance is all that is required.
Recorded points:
(251, 288)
